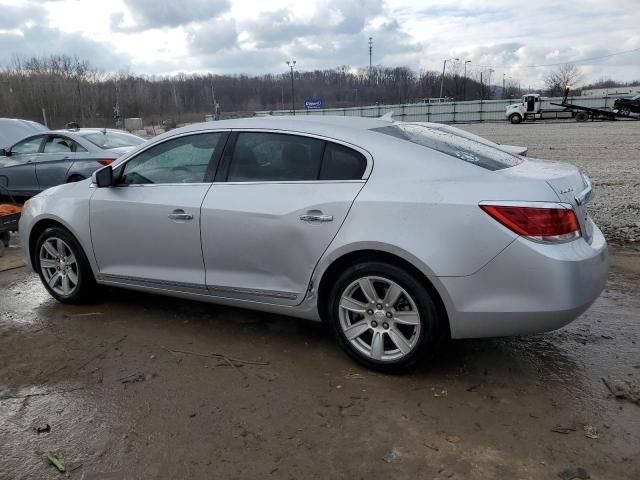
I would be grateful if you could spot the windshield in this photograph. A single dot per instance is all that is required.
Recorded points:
(108, 140)
(465, 149)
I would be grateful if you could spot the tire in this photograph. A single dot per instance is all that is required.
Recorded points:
(369, 335)
(515, 118)
(75, 178)
(74, 282)
(625, 111)
(582, 117)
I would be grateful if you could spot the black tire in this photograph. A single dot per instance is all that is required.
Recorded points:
(582, 117)
(625, 111)
(85, 286)
(515, 118)
(429, 336)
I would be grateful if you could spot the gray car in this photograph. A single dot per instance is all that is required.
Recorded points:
(395, 234)
(46, 159)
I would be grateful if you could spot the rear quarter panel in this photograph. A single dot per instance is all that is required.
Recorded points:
(423, 206)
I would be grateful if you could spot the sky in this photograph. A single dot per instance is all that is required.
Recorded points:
(158, 37)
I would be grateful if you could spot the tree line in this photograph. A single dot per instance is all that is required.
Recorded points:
(62, 89)
(66, 89)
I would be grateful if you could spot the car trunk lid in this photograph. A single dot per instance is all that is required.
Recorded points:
(569, 184)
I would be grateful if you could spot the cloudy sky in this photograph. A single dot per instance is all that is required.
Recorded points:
(257, 36)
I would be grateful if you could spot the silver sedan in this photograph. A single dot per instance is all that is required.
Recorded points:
(46, 159)
(397, 235)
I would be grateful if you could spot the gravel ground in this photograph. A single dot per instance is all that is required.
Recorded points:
(608, 151)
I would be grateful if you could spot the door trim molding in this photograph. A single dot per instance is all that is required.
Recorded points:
(214, 289)
(148, 282)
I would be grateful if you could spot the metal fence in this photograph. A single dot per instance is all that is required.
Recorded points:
(450, 112)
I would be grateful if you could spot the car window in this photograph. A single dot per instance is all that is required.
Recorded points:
(108, 140)
(181, 160)
(270, 157)
(30, 145)
(58, 145)
(342, 163)
(465, 149)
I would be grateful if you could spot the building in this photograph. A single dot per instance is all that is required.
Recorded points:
(596, 92)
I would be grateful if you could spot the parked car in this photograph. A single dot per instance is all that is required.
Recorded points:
(627, 106)
(395, 234)
(46, 159)
(14, 129)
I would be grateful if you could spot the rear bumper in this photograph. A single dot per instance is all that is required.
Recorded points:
(528, 288)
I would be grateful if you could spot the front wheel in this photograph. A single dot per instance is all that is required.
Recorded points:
(515, 118)
(63, 267)
(382, 316)
(625, 111)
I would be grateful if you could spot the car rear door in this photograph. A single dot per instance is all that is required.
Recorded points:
(58, 154)
(145, 229)
(277, 203)
(18, 170)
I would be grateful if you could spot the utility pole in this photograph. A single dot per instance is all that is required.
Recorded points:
(465, 79)
(291, 64)
(444, 66)
(370, 63)
(491, 70)
(481, 87)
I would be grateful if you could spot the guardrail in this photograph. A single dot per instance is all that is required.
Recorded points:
(450, 112)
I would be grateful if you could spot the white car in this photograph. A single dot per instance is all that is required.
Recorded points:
(395, 234)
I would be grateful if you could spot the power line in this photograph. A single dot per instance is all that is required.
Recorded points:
(563, 63)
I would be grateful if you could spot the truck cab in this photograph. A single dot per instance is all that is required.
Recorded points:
(529, 108)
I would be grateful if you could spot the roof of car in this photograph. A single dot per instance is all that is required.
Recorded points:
(90, 130)
(14, 129)
(327, 125)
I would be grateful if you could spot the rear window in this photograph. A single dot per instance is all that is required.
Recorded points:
(465, 149)
(110, 140)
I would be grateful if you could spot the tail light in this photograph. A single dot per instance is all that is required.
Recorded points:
(105, 161)
(536, 223)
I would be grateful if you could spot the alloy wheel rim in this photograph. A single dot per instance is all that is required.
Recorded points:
(59, 266)
(379, 318)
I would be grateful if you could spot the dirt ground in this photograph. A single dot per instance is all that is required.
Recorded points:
(124, 389)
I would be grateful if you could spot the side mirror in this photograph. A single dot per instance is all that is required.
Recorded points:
(103, 177)
(4, 152)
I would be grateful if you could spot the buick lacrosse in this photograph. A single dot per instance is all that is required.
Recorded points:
(395, 234)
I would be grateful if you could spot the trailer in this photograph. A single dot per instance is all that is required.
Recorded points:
(9, 218)
(530, 110)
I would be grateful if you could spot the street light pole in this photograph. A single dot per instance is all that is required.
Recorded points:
(491, 70)
(465, 79)
(444, 66)
(291, 64)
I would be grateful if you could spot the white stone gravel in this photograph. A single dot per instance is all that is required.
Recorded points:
(608, 151)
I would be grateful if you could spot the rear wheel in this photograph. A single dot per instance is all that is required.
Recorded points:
(382, 316)
(63, 267)
(582, 117)
(515, 118)
(625, 111)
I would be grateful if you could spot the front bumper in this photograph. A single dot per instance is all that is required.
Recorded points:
(528, 288)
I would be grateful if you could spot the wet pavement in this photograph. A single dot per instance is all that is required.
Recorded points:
(142, 386)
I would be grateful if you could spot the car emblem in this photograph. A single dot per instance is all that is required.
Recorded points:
(566, 190)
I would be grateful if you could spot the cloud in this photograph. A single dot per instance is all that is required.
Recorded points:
(148, 14)
(213, 36)
(16, 16)
(40, 41)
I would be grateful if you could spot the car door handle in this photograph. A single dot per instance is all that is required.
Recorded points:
(180, 215)
(316, 217)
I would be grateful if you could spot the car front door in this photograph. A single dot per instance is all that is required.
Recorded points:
(277, 203)
(18, 169)
(146, 228)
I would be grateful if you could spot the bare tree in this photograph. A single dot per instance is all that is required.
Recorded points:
(556, 81)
